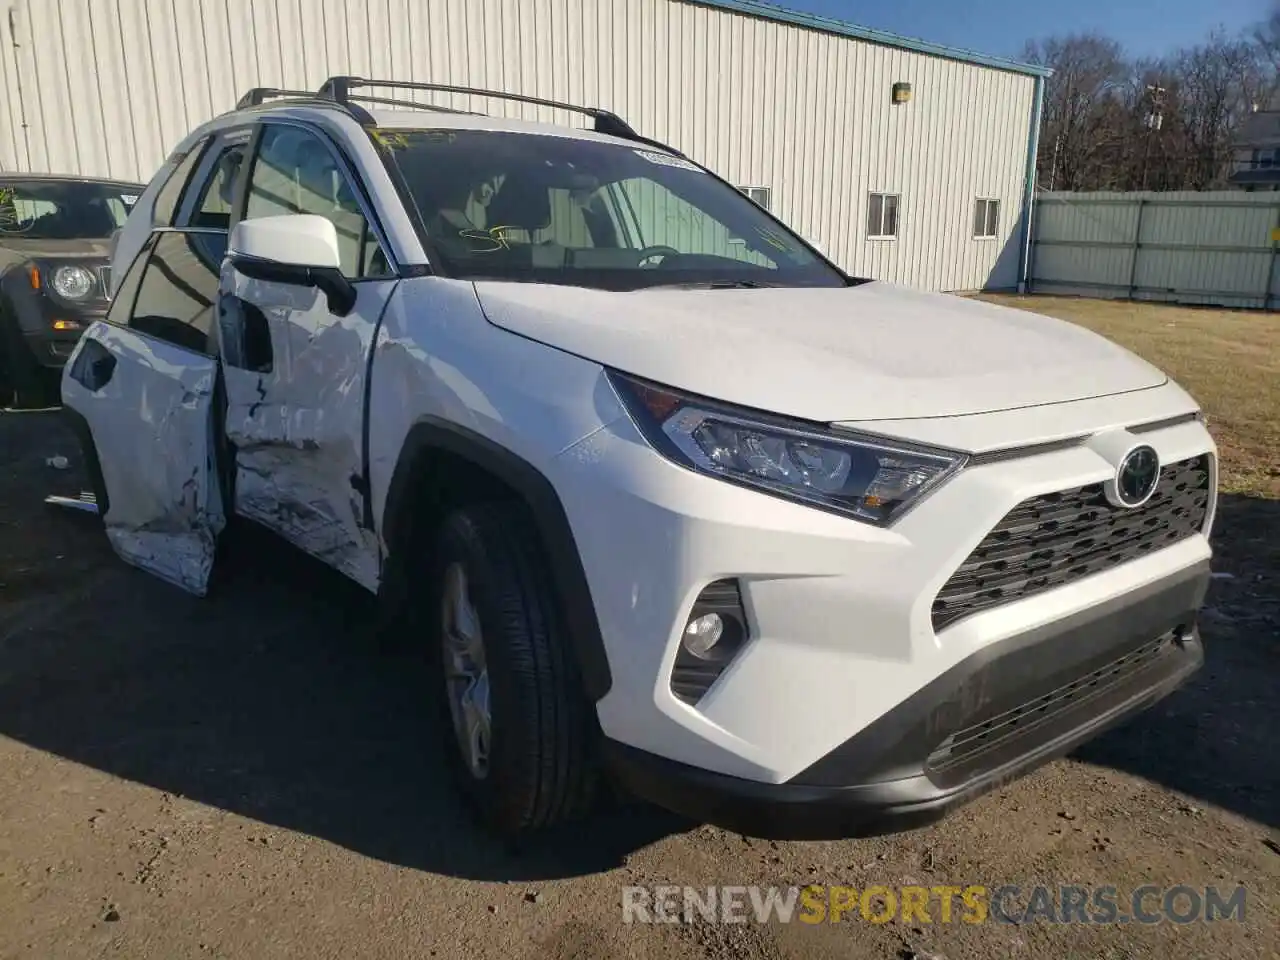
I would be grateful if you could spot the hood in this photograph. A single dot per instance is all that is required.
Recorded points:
(871, 352)
(26, 248)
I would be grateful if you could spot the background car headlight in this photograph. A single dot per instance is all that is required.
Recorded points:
(72, 283)
(865, 477)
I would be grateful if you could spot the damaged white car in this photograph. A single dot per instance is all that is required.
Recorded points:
(657, 490)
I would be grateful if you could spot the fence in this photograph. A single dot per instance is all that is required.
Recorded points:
(1185, 247)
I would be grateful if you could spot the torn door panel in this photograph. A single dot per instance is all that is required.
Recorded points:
(148, 405)
(300, 505)
(298, 427)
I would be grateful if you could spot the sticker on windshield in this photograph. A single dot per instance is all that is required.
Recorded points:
(129, 199)
(666, 160)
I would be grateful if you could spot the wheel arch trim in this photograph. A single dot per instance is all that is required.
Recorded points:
(568, 576)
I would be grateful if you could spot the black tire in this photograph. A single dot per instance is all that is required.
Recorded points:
(8, 395)
(542, 759)
(24, 384)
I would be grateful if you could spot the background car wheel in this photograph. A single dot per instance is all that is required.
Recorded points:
(517, 724)
(35, 389)
(24, 384)
(6, 382)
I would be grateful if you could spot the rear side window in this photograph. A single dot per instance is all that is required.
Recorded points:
(127, 292)
(178, 289)
(169, 195)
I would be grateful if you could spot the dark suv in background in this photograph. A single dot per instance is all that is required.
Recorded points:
(55, 249)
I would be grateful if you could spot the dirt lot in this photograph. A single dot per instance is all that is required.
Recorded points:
(245, 777)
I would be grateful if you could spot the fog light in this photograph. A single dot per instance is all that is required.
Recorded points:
(66, 324)
(703, 633)
(714, 634)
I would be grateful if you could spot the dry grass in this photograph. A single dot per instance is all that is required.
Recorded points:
(1229, 360)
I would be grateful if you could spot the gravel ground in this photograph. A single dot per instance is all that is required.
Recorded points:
(244, 776)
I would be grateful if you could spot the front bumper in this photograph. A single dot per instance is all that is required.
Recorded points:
(996, 715)
(34, 314)
(839, 612)
(53, 348)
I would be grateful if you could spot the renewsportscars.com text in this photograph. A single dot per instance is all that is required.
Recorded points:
(973, 904)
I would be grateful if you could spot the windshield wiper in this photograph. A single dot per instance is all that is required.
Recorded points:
(722, 284)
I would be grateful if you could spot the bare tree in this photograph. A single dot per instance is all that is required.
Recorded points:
(1218, 82)
(1266, 37)
(1087, 69)
(1166, 124)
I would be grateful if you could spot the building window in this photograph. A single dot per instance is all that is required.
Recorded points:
(882, 217)
(761, 195)
(986, 219)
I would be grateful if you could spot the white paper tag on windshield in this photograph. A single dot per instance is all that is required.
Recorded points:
(666, 160)
(129, 199)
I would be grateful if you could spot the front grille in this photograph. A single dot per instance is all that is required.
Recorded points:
(1058, 538)
(104, 281)
(984, 744)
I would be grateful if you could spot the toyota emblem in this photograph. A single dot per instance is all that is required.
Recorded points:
(1137, 477)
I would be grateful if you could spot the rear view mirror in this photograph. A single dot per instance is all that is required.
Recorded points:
(299, 249)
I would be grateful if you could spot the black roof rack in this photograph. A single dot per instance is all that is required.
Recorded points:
(392, 101)
(259, 94)
(340, 89)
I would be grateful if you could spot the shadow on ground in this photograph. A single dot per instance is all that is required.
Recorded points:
(1215, 738)
(268, 699)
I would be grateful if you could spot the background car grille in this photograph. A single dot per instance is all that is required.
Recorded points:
(1057, 538)
(104, 282)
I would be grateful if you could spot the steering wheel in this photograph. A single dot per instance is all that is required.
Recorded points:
(658, 250)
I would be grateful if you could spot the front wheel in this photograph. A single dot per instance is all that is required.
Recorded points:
(517, 721)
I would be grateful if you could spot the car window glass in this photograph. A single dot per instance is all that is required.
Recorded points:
(179, 289)
(63, 209)
(500, 205)
(212, 208)
(167, 199)
(295, 172)
(122, 303)
(666, 220)
(566, 224)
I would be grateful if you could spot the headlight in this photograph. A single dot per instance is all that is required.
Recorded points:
(72, 283)
(865, 477)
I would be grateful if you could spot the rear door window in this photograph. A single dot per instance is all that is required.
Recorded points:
(127, 293)
(178, 289)
(166, 204)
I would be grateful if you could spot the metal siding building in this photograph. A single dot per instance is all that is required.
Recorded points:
(765, 97)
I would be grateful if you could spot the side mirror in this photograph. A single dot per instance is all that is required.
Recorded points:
(299, 249)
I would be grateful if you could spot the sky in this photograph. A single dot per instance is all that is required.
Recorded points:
(1001, 27)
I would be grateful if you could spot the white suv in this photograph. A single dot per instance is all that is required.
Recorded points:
(658, 491)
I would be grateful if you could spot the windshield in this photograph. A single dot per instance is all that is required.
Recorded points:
(63, 209)
(549, 209)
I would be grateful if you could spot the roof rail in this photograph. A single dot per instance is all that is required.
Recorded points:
(339, 88)
(393, 102)
(260, 94)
